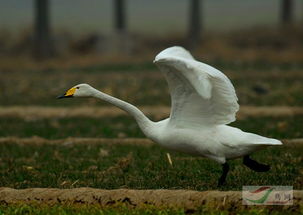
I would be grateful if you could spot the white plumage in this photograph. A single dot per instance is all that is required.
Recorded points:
(203, 101)
(200, 93)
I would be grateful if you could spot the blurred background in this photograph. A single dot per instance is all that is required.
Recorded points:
(48, 46)
(46, 29)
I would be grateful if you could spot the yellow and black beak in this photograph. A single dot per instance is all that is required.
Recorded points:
(68, 93)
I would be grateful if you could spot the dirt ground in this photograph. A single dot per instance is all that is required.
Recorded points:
(79, 140)
(186, 199)
(158, 112)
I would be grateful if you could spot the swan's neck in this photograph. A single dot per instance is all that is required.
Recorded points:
(146, 125)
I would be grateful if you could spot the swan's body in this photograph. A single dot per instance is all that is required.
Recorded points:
(217, 143)
(203, 102)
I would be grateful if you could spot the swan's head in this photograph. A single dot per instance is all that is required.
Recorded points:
(80, 90)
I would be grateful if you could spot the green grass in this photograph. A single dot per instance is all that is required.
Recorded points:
(129, 166)
(143, 84)
(21, 209)
(79, 210)
(125, 126)
(75, 127)
(111, 166)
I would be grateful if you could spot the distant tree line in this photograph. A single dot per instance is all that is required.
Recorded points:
(43, 42)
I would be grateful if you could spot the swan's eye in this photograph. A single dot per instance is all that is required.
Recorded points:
(77, 87)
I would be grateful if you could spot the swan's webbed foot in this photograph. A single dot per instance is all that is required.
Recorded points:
(225, 168)
(254, 165)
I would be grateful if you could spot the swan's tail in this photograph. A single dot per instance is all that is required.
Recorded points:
(260, 140)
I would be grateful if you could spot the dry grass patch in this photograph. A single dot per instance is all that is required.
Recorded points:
(157, 112)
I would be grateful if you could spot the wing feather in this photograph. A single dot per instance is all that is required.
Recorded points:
(200, 94)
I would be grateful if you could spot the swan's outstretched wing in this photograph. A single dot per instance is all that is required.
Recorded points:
(201, 95)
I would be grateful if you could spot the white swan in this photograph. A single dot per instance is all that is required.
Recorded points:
(203, 102)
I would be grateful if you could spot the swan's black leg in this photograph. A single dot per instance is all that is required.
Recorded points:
(254, 165)
(225, 168)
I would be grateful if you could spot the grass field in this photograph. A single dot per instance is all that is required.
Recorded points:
(145, 85)
(85, 210)
(20, 209)
(125, 126)
(112, 166)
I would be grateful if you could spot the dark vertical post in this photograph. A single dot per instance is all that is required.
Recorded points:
(119, 13)
(194, 31)
(42, 38)
(121, 38)
(286, 12)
